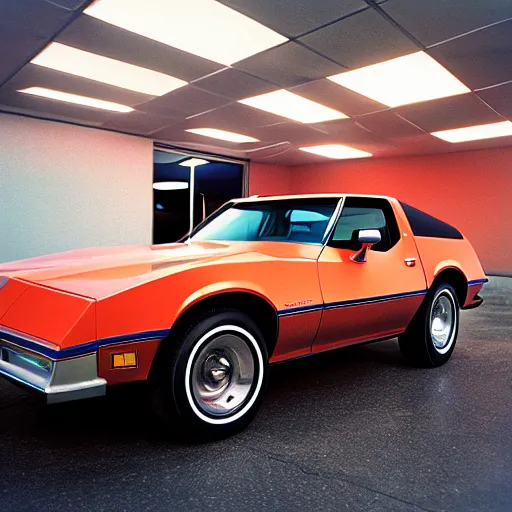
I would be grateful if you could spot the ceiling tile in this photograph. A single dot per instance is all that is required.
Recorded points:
(35, 16)
(420, 144)
(349, 132)
(214, 144)
(295, 133)
(499, 98)
(25, 28)
(175, 130)
(339, 98)
(198, 122)
(287, 156)
(52, 109)
(294, 17)
(70, 4)
(37, 76)
(288, 65)
(177, 136)
(234, 84)
(51, 117)
(91, 34)
(137, 122)
(363, 39)
(235, 117)
(448, 113)
(410, 146)
(22, 46)
(480, 59)
(434, 21)
(187, 100)
(388, 124)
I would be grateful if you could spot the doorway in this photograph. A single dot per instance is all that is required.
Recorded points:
(188, 188)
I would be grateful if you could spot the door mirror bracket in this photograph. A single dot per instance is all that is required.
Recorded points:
(368, 238)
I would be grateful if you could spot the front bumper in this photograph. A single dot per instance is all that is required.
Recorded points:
(61, 380)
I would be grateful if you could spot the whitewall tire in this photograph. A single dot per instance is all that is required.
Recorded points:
(430, 339)
(210, 381)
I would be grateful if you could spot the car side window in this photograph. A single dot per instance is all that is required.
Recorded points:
(235, 224)
(303, 220)
(303, 225)
(365, 213)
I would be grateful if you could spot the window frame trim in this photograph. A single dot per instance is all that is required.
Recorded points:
(332, 243)
(230, 204)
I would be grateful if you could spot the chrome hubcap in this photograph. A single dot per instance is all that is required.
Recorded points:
(222, 375)
(442, 322)
(216, 372)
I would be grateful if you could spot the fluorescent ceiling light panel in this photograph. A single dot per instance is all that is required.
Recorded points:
(482, 131)
(222, 135)
(103, 69)
(193, 162)
(76, 99)
(401, 81)
(170, 185)
(205, 28)
(337, 151)
(286, 104)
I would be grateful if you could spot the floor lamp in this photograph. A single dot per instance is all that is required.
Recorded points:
(192, 163)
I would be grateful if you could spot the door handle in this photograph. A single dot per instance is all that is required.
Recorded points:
(410, 262)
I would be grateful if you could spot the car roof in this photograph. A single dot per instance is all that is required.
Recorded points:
(256, 198)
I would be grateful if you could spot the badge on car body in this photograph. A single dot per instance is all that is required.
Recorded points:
(298, 303)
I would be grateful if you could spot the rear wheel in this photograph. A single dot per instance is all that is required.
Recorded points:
(210, 382)
(430, 339)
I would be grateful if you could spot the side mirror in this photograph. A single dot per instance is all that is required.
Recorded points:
(367, 237)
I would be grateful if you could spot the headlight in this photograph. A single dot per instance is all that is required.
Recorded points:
(29, 361)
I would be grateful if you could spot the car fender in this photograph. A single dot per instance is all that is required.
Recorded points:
(448, 264)
(222, 287)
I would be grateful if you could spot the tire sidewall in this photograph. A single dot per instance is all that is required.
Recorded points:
(180, 382)
(437, 356)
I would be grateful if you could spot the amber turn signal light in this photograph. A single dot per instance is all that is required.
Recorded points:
(124, 360)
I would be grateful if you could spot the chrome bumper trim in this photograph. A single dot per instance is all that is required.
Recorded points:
(76, 391)
(70, 379)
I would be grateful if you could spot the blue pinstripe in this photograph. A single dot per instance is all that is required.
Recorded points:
(347, 303)
(85, 348)
(93, 346)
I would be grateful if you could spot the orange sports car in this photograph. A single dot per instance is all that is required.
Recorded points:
(262, 280)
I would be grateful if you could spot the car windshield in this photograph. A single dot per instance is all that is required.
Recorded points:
(298, 221)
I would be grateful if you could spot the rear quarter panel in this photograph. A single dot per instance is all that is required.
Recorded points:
(438, 254)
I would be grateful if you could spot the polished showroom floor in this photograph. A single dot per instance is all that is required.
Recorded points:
(351, 430)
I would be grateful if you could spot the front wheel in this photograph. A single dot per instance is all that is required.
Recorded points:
(210, 382)
(430, 339)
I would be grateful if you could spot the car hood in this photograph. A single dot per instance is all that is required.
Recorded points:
(88, 272)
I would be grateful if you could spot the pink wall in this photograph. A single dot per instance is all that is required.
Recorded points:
(269, 179)
(471, 190)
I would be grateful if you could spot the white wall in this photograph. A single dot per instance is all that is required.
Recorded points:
(64, 187)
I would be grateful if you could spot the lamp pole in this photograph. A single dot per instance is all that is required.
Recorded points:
(192, 163)
(192, 189)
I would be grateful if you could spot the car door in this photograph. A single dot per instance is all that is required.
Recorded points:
(376, 298)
